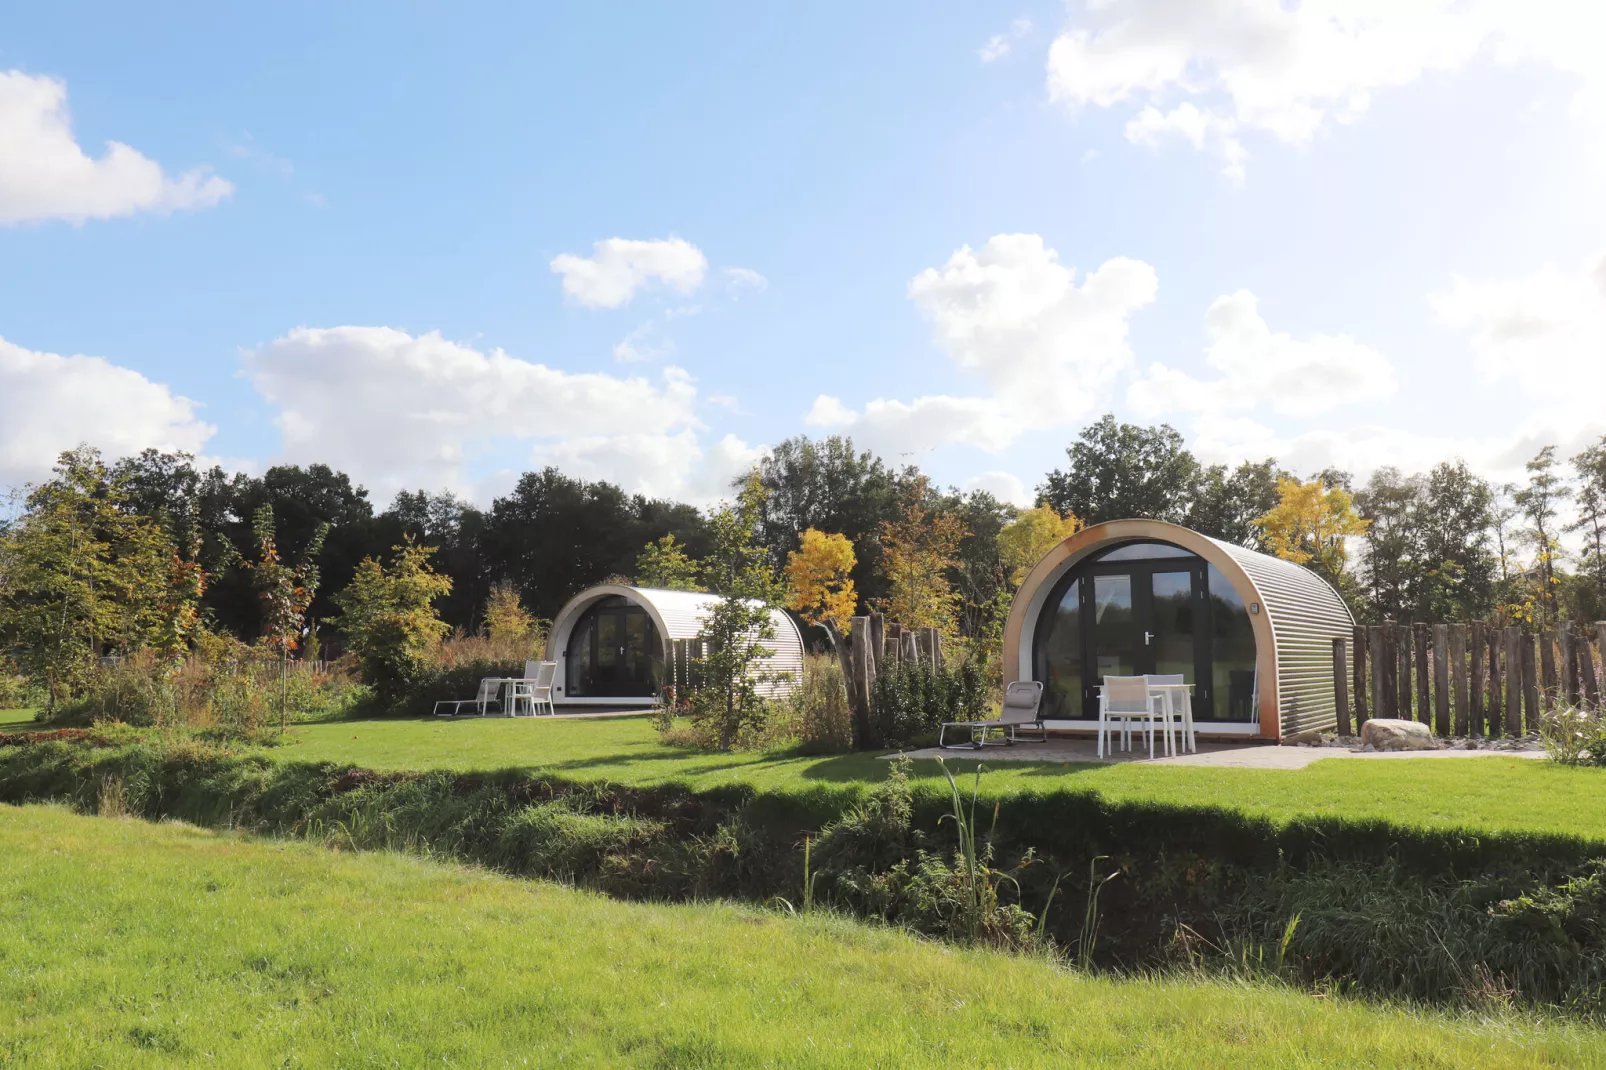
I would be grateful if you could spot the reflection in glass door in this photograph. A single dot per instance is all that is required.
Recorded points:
(1115, 631)
(1169, 636)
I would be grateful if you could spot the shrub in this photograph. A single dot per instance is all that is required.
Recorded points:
(1573, 735)
(910, 701)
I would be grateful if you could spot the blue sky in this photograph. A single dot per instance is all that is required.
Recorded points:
(1353, 233)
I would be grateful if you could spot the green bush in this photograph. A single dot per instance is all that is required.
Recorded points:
(911, 700)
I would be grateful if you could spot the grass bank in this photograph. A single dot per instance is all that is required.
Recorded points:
(1341, 905)
(133, 944)
(1486, 794)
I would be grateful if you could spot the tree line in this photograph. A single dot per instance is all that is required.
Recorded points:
(154, 549)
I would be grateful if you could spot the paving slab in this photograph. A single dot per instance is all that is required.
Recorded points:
(1229, 755)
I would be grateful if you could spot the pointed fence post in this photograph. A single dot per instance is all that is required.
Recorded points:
(1358, 673)
(1547, 671)
(1402, 681)
(1458, 676)
(1475, 647)
(1532, 701)
(878, 632)
(1419, 632)
(1569, 662)
(860, 683)
(1516, 666)
(1496, 684)
(1441, 679)
(1586, 667)
(1340, 687)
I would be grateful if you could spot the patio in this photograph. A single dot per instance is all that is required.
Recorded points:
(1222, 755)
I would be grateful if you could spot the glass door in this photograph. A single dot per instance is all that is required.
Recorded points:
(1143, 618)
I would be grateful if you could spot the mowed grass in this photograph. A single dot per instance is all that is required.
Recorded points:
(1491, 793)
(124, 943)
(14, 720)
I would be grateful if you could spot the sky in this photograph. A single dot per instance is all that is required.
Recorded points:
(439, 245)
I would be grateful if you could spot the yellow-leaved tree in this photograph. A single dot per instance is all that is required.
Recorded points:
(506, 619)
(917, 551)
(1023, 541)
(1308, 526)
(819, 581)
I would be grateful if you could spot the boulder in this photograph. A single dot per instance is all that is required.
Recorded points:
(1386, 733)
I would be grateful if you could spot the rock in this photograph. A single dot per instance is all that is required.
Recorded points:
(1471, 744)
(1387, 733)
(1303, 739)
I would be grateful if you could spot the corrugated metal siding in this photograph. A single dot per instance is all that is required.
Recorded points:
(1306, 615)
(683, 613)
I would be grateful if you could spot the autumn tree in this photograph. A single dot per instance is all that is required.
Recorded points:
(507, 622)
(1308, 526)
(389, 620)
(665, 564)
(1023, 542)
(284, 591)
(918, 549)
(819, 578)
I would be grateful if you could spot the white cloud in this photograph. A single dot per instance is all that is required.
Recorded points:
(999, 44)
(1013, 315)
(673, 466)
(44, 174)
(618, 267)
(738, 279)
(1287, 69)
(398, 410)
(50, 403)
(643, 344)
(1005, 486)
(1263, 368)
(1545, 331)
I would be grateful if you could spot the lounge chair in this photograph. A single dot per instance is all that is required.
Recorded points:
(1023, 705)
(489, 687)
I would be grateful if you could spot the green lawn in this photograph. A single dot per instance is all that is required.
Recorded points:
(1486, 793)
(129, 944)
(12, 720)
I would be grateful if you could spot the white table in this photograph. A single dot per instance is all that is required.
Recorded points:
(504, 688)
(1172, 694)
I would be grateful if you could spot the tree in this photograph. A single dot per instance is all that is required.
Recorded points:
(1033, 533)
(1391, 563)
(738, 624)
(1119, 471)
(666, 565)
(819, 578)
(827, 485)
(1308, 526)
(1539, 502)
(1226, 504)
(506, 619)
(285, 592)
(1590, 464)
(389, 620)
(82, 576)
(1454, 524)
(917, 551)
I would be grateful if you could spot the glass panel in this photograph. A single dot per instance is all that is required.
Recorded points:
(1059, 654)
(1233, 653)
(609, 654)
(637, 667)
(1173, 624)
(1114, 627)
(1143, 551)
(578, 677)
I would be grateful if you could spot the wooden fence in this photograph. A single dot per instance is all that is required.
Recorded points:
(1469, 679)
(874, 643)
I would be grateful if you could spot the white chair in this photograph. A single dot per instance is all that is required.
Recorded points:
(1124, 698)
(535, 690)
(487, 696)
(1184, 716)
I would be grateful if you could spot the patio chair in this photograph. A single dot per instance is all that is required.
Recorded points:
(487, 697)
(536, 688)
(1023, 704)
(1124, 698)
(1183, 716)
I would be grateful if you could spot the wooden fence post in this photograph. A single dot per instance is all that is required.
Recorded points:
(1374, 655)
(1475, 645)
(1441, 679)
(1419, 632)
(1340, 687)
(1391, 671)
(1402, 682)
(1586, 663)
(1514, 679)
(1458, 678)
(860, 682)
(1547, 669)
(1496, 690)
(1533, 704)
(1358, 673)
(1569, 661)
(911, 652)
(878, 641)
(933, 648)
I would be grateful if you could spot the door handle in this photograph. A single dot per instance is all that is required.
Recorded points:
(1148, 637)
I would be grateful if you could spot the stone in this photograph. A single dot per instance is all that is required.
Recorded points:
(1387, 733)
(1303, 739)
